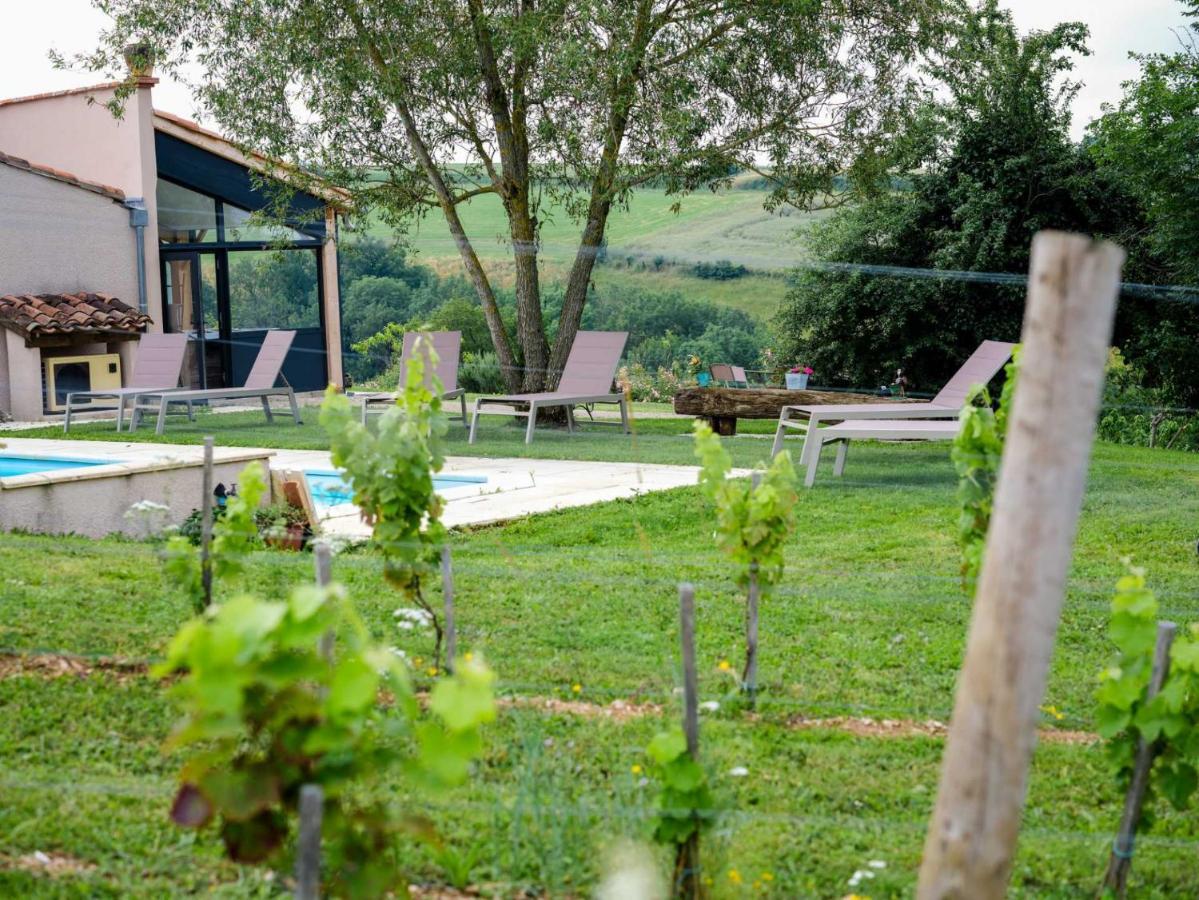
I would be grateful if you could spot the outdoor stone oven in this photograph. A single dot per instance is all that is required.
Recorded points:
(52, 344)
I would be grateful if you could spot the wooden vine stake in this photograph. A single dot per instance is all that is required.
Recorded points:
(308, 848)
(688, 877)
(206, 517)
(323, 559)
(1120, 862)
(447, 592)
(749, 678)
(1072, 287)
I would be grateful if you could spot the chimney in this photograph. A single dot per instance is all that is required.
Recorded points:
(139, 58)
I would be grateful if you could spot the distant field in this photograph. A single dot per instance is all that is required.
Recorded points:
(727, 225)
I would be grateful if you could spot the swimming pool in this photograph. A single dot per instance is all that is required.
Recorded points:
(28, 465)
(329, 490)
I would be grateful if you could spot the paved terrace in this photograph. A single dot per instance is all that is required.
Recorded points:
(514, 487)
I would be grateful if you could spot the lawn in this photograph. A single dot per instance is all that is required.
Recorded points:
(869, 622)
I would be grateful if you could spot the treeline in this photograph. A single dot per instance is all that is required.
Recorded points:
(384, 293)
(989, 165)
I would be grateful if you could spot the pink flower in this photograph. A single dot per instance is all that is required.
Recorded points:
(806, 370)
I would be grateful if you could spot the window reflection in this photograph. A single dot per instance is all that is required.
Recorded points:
(184, 216)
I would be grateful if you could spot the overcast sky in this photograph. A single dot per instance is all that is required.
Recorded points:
(31, 29)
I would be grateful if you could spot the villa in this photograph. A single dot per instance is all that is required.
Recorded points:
(117, 225)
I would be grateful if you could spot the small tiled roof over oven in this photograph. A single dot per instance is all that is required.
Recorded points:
(41, 316)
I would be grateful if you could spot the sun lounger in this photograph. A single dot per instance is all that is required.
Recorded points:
(586, 379)
(447, 345)
(157, 366)
(260, 385)
(980, 368)
(870, 430)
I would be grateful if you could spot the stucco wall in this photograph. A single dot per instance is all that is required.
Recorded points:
(55, 238)
(58, 238)
(70, 133)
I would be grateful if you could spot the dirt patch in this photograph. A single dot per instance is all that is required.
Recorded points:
(60, 665)
(53, 864)
(617, 710)
(900, 728)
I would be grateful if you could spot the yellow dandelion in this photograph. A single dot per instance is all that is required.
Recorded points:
(724, 666)
(576, 688)
(734, 876)
(418, 661)
(636, 769)
(766, 876)
(432, 670)
(468, 656)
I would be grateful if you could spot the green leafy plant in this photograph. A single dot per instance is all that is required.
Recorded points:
(685, 806)
(265, 712)
(754, 517)
(1126, 715)
(234, 534)
(976, 452)
(390, 469)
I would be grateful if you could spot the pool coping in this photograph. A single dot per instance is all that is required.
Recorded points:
(160, 463)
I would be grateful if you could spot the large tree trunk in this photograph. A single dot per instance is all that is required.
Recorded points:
(470, 259)
(508, 113)
(603, 190)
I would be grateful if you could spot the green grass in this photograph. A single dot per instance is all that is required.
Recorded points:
(870, 620)
(650, 246)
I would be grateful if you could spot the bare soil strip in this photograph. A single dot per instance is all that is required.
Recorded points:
(51, 864)
(61, 665)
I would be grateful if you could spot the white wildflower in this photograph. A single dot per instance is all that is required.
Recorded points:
(877, 864)
(710, 705)
(738, 771)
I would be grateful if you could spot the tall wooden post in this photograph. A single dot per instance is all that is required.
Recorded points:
(308, 845)
(1072, 289)
(323, 560)
(749, 678)
(206, 517)
(688, 881)
(447, 593)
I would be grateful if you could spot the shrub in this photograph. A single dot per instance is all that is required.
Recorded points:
(645, 386)
(480, 374)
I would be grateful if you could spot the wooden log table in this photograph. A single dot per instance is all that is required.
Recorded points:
(722, 407)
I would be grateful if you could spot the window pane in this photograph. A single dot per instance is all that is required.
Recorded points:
(238, 227)
(273, 289)
(184, 217)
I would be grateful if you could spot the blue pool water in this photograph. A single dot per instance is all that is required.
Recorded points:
(27, 465)
(329, 490)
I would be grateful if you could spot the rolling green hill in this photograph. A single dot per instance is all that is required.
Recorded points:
(649, 244)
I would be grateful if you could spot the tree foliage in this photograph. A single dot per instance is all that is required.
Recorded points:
(992, 164)
(578, 101)
(1148, 144)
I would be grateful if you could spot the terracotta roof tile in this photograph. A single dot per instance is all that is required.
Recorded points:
(86, 89)
(85, 313)
(105, 190)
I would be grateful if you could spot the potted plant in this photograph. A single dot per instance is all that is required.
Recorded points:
(797, 378)
(283, 526)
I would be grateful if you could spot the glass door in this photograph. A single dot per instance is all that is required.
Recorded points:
(189, 290)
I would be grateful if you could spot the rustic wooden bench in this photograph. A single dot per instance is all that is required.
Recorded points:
(722, 407)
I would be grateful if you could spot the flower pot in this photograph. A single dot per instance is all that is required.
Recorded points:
(704, 379)
(797, 381)
(289, 538)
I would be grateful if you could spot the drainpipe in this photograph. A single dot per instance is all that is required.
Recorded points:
(139, 218)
